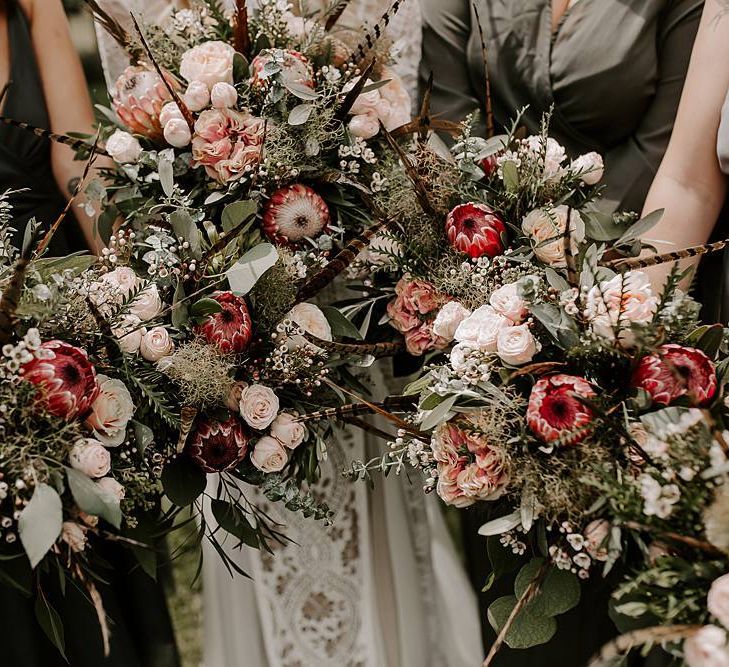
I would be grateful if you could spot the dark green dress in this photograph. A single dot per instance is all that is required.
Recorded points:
(141, 632)
(613, 71)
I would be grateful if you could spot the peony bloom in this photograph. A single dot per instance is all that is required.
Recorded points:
(209, 62)
(589, 167)
(516, 345)
(390, 105)
(217, 446)
(123, 147)
(418, 296)
(231, 329)
(475, 230)
(110, 412)
(718, 600)
(295, 68)
(288, 431)
(706, 648)
(596, 537)
(268, 455)
(258, 406)
(553, 154)
(122, 281)
(156, 344)
(65, 379)
(138, 97)
(675, 371)
(90, 457)
(555, 411)
(448, 319)
(227, 143)
(223, 96)
(546, 227)
(507, 302)
(74, 535)
(148, 304)
(481, 329)
(112, 488)
(615, 304)
(401, 317)
(294, 213)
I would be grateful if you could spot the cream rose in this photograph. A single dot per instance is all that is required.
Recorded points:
(449, 318)
(268, 455)
(73, 535)
(123, 147)
(111, 411)
(129, 332)
(507, 302)
(258, 406)
(546, 228)
(706, 648)
(156, 344)
(148, 303)
(121, 280)
(481, 328)
(177, 133)
(209, 62)
(223, 96)
(617, 303)
(289, 432)
(718, 600)
(112, 488)
(589, 167)
(197, 97)
(516, 345)
(312, 320)
(90, 457)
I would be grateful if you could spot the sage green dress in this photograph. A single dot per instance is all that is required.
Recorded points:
(613, 70)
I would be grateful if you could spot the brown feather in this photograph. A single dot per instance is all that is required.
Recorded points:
(488, 108)
(187, 419)
(447, 126)
(424, 115)
(634, 263)
(11, 296)
(334, 14)
(76, 144)
(373, 35)
(376, 350)
(568, 256)
(354, 93)
(392, 403)
(112, 26)
(370, 428)
(241, 33)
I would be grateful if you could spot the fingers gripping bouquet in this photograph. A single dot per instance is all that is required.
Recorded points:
(560, 388)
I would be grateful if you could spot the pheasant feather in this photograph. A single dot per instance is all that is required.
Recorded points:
(634, 263)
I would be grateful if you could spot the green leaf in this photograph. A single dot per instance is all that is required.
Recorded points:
(511, 175)
(166, 176)
(244, 274)
(560, 325)
(301, 91)
(555, 280)
(50, 621)
(641, 227)
(232, 519)
(91, 498)
(527, 630)
(235, 213)
(241, 68)
(503, 560)
(204, 307)
(601, 226)
(183, 481)
(185, 228)
(40, 523)
(340, 325)
(501, 525)
(708, 339)
(559, 592)
(438, 414)
(300, 114)
(180, 315)
(143, 435)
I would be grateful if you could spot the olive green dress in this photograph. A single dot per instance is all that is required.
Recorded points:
(613, 70)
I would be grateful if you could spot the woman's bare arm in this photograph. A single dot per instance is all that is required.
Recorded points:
(66, 94)
(689, 184)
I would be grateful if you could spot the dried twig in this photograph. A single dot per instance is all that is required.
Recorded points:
(488, 108)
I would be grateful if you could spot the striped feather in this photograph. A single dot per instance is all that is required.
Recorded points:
(488, 108)
(351, 97)
(392, 403)
(623, 644)
(634, 263)
(424, 115)
(76, 144)
(11, 296)
(448, 126)
(568, 256)
(373, 35)
(187, 419)
(111, 25)
(334, 14)
(376, 350)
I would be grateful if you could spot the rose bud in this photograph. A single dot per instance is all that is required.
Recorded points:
(258, 406)
(676, 371)
(170, 111)
(65, 377)
(111, 411)
(123, 147)
(555, 411)
(90, 457)
(197, 96)
(217, 446)
(177, 133)
(231, 329)
(110, 487)
(156, 344)
(294, 213)
(223, 96)
(476, 230)
(208, 63)
(289, 432)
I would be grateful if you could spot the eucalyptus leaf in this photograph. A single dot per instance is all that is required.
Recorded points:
(40, 523)
(300, 114)
(601, 226)
(511, 175)
(244, 274)
(527, 630)
(559, 325)
(439, 414)
(235, 213)
(555, 280)
(501, 525)
(92, 499)
(559, 592)
(185, 228)
(204, 307)
(641, 227)
(301, 91)
(341, 326)
(51, 623)
(166, 176)
(143, 435)
(180, 314)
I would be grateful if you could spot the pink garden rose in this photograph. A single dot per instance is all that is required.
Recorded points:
(389, 105)
(422, 339)
(209, 62)
(90, 457)
(269, 455)
(110, 412)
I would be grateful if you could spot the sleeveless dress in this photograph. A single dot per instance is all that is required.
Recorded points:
(141, 634)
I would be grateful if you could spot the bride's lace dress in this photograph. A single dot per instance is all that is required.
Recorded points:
(382, 586)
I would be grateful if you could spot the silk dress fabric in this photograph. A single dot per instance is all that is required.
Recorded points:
(381, 587)
(613, 71)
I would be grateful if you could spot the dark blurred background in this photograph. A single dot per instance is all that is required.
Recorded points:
(82, 31)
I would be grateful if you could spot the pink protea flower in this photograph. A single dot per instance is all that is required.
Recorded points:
(227, 143)
(231, 329)
(676, 371)
(555, 410)
(65, 377)
(294, 213)
(295, 68)
(476, 230)
(138, 97)
(217, 446)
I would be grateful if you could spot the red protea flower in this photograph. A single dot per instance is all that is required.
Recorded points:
(216, 446)
(138, 97)
(676, 371)
(295, 68)
(555, 410)
(230, 330)
(476, 230)
(294, 213)
(65, 377)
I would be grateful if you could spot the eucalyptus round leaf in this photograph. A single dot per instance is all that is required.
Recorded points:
(40, 523)
(559, 592)
(527, 630)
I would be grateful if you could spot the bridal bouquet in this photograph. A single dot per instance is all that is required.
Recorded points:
(585, 409)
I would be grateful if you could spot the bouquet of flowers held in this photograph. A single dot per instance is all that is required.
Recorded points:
(586, 408)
